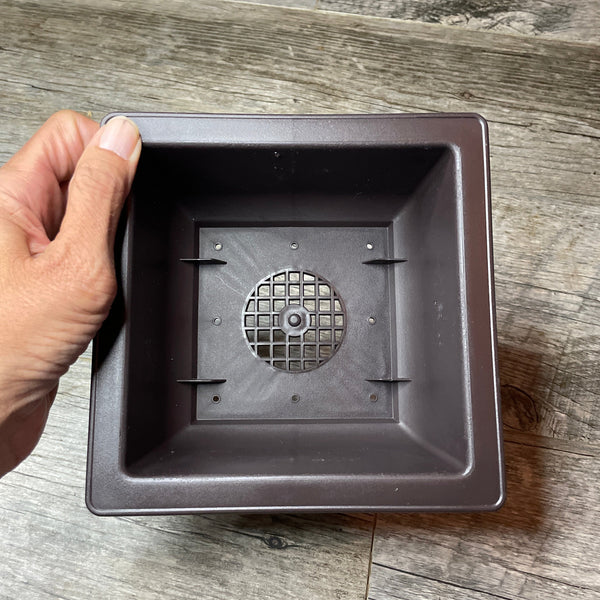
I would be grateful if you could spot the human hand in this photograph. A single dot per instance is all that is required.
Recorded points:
(60, 200)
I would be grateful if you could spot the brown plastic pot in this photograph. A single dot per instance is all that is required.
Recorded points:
(305, 320)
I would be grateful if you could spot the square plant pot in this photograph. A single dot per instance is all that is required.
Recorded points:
(305, 320)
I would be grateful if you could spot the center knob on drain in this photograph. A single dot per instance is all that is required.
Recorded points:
(294, 319)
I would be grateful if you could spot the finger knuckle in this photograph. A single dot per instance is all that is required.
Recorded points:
(64, 115)
(63, 120)
(97, 179)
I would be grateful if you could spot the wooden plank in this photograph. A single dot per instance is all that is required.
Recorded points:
(553, 19)
(51, 546)
(309, 4)
(389, 583)
(557, 19)
(544, 543)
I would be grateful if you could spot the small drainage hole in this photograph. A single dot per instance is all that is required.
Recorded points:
(216, 399)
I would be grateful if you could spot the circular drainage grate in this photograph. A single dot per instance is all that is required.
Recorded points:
(294, 320)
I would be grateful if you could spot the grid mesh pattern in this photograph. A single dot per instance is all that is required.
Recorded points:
(317, 343)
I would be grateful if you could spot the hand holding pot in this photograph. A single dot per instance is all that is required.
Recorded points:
(60, 199)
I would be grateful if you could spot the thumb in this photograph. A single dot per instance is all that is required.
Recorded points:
(98, 188)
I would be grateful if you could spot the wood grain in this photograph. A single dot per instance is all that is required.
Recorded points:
(557, 19)
(544, 543)
(541, 99)
(554, 19)
(52, 547)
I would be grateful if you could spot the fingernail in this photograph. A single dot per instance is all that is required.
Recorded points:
(120, 135)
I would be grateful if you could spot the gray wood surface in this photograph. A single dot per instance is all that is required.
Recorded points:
(570, 20)
(53, 547)
(541, 99)
(573, 20)
(544, 543)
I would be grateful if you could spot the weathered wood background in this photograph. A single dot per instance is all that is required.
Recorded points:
(541, 95)
(573, 20)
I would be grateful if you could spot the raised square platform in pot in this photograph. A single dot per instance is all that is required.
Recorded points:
(305, 320)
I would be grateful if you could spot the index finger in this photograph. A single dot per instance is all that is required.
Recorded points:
(32, 178)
